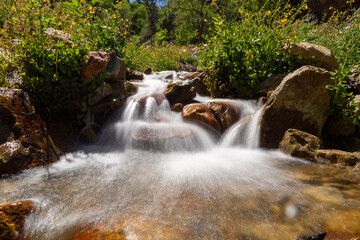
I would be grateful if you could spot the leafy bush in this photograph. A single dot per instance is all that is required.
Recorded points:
(241, 54)
(157, 57)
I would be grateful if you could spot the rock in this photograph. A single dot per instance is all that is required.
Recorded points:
(12, 219)
(355, 81)
(200, 114)
(100, 93)
(269, 84)
(301, 102)
(24, 141)
(320, 236)
(107, 105)
(94, 64)
(226, 113)
(196, 80)
(14, 79)
(314, 55)
(177, 107)
(59, 35)
(159, 137)
(337, 156)
(88, 135)
(300, 144)
(134, 75)
(129, 89)
(148, 71)
(191, 75)
(186, 67)
(116, 68)
(159, 98)
(177, 92)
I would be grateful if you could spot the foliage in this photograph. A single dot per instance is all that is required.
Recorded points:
(157, 57)
(241, 54)
(51, 65)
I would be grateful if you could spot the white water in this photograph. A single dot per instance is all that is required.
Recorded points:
(150, 162)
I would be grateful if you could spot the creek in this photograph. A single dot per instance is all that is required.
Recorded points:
(170, 179)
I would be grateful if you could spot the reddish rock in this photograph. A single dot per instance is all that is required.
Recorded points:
(301, 101)
(226, 113)
(24, 141)
(94, 64)
(159, 98)
(200, 114)
(12, 218)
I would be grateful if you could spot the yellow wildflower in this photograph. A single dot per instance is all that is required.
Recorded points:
(46, 1)
(73, 23)
(241, 11)
(284, 21)
(205, 20)
(13, 8)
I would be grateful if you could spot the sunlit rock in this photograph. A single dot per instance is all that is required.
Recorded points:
(226, 113)
(24, 141)
(12, 218)
(313, 54)
(95, 63)
(129, 88)
(337, 156)
(300, 144)
(301, 101)
(201, 115)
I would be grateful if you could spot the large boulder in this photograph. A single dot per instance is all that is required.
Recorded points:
(313, 54)
(116, 68)
(226, 113)
(95, 63)
(12, 219)
(201, 115)
(177, 92)
(300, 101)
(103, 91)
(24, 141)
(269, 84)
(337, 156)
(300, 144)
(196, 80)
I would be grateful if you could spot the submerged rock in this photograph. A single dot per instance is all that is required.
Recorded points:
(201, 115)
(300, 144)
(314, 55)
(337, 156)
(24, 141)
(177, 92)
(12, 218)
(301, 101)
(226, 113)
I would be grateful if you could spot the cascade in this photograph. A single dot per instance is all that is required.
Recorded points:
(151, 164)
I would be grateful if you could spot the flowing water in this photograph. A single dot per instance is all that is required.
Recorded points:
(162, 178)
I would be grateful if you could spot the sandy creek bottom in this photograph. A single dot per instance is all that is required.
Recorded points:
(222, 193)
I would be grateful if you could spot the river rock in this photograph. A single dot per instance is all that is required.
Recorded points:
(12, 218)
(116, 68)
(337, 156)
(226, 113)
(129, 88)
(95, 64)
(177, 107)
(196, 80)
(24, 141)
(177, 92)
(100, 93)
(200, 114)
(147, 71)
(301, 101)
(313, 54)
(107, 105)
(134, 75)
(300, 144)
